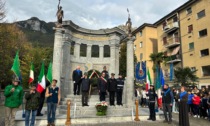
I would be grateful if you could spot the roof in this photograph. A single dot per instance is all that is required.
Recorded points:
(187, 4)
(143, 26)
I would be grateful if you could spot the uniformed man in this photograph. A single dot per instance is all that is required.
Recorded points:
(152, 98)
(112, 87)
(120, 85)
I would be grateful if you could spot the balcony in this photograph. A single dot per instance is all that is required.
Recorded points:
(172, 42)
(174, 58)
(171, 27)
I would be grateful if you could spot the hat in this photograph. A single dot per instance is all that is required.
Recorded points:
(85, 73)
(16, 79)
(151, 85)
(120, 74)
(33, 85)
(104, 67)
(112, 74)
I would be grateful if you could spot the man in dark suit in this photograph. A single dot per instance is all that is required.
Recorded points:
(112, 87)
(77, 75)
(102, 87)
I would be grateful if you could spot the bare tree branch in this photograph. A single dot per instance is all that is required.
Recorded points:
(2, 10)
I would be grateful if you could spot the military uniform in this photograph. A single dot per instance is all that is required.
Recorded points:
(120, 85)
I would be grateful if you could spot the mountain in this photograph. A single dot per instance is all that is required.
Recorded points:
(38, 32)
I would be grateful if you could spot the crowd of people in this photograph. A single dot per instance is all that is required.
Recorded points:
(185, 101)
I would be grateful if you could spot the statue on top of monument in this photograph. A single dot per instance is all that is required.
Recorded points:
(60, 15)
(128, 24)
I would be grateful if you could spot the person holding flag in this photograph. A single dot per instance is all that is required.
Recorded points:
(13, 94)
(41, 89)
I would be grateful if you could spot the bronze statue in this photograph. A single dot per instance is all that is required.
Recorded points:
(60, 15)
(128, 24)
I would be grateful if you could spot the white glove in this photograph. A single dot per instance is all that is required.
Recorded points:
(179, 100)
(73, 81)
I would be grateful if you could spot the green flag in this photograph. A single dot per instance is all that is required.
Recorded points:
(16, 66)
(49, 73)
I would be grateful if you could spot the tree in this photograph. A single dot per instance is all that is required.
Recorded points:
(185, 76)
(2, 10)
(123, 59)
(157, 59)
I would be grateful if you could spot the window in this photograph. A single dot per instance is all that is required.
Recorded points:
(204, 52)
(83, 50)
(189, 10)
(141, 44)
(140, 33)
(190, 28)
(206, 70)
(95, 51)
(201, 14)
(72, 48)
(164, 25)
(175, 19)
(164, 40)
(203, 33)
(141, 56)
(106, 51)
(193, 69)
(191, 46)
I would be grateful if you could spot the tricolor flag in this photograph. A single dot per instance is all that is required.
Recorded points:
(31, 76)
(149, 81)
(41, 80)
(158, 87)
(16, 66)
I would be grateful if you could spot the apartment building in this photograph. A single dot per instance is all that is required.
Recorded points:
(183, 36)
(146, 44)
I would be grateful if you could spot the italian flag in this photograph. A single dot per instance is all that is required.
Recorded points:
(41, 80)
(149, 81)
(31, 76)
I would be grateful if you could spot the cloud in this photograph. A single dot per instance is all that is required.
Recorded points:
(93, 14)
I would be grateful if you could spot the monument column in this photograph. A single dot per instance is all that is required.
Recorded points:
(112, 58)
(117, 57)
(130, 72)
(57, 54)
(89, 51)
(101, 51)
(77, 50)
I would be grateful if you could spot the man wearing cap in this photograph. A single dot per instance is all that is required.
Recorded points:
(112, 87)
(14, 96)
(120, 85)
(85, 86)
(32, 104)
(106, 73)
(152, 98)
(77, 76)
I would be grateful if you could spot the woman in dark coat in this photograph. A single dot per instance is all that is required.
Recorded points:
(183, 111)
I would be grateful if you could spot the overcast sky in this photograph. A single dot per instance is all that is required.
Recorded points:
(93, 14)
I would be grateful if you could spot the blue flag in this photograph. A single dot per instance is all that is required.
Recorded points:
(141, 70)
(162, 81)
(171, 71)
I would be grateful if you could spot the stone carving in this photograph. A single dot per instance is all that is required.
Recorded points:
(128, 24)
(60, 16)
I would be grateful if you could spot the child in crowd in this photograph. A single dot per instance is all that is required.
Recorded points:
(196, 102)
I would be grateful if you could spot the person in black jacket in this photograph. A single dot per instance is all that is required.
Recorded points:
(112, 87)
(120, 85)
(106, 73)
(167, 100)
(77, 76)
(85, 89)
(152, 98)
(102, 87)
